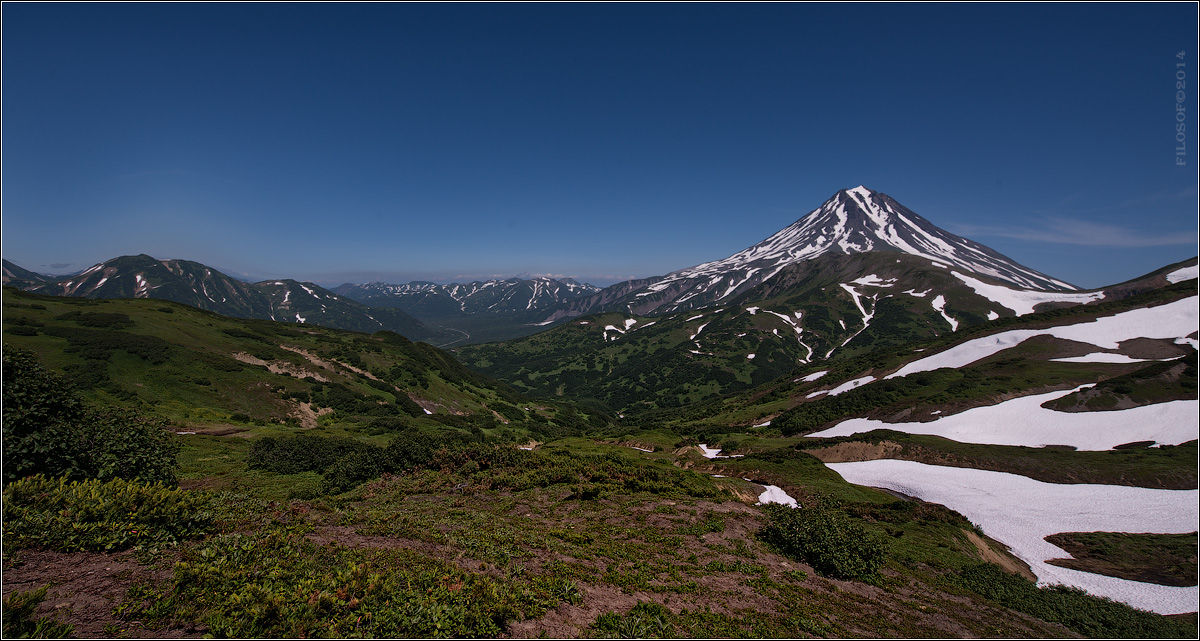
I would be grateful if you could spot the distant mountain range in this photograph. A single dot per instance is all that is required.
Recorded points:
(478, 311)
(201, 286)
(857, 269)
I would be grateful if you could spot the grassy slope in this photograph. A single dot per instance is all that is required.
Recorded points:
(183, 363)
(691, 550)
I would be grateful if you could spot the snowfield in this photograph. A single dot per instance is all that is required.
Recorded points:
(1173, 320)
(1022, 421)
(1102, 357)
(1022, 301)
(1180, 275)
(1020, 512)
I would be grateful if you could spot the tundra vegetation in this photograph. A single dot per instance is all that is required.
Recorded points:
(197, 475)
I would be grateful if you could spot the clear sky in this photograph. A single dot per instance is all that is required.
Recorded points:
(397, 142)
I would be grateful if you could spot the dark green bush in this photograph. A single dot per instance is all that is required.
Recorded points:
(48, 430)
(826, 538)
(302, 453)
(350, 470)
(109, 320)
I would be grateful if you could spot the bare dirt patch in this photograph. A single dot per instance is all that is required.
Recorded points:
(85, 586)
(1006, 561)
(857, 451)
(279, 367)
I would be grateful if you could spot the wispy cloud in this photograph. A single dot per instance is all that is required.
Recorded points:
(1077, 231)
(1071, 221)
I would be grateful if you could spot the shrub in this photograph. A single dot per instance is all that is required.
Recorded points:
(826, 538)
(99, 515)
(302, 453)
(48, 430)
(277, 583)
(354, 468)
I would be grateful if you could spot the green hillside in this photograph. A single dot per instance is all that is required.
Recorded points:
(205, 371)
(319, 496)
(802, 321)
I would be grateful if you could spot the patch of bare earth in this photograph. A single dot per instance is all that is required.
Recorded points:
(279, 367)
(1006, 561)
(86, 586)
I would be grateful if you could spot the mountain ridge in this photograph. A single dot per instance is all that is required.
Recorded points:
(198, 285)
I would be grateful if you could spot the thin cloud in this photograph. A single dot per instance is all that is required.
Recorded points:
(1074, 231)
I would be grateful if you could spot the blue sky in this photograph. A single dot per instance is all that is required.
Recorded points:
(444, 142)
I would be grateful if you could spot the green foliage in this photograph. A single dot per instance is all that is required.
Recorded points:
(105, 320)
(20, 622)
(825, 537)
(1091, 616)
(646, 620)
(100, 344)
(47, 430)
(1164, 559)
(302, 452)
(277, 583)
(353, 468)
(99, 515)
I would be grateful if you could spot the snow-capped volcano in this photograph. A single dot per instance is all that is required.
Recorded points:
(860, 220)
(854, 222)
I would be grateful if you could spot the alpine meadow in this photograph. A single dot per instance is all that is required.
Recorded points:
(377, 320)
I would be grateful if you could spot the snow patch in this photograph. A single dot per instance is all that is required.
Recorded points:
(1023, 421)
(1102, 357)
(775, 494)
(849, 385)
(814, 376)
(1020, 512)
(939, 304)
(874, 281)
(1172, 320)
(1022, 301)
(1180, 275)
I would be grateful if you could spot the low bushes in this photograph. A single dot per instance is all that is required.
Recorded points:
(1089, 615)
(345, 463)
(49, 431)
(826, 538)
(97, 515)
(277, 583)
